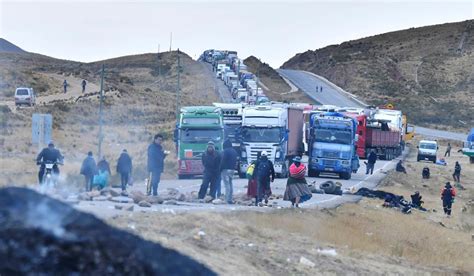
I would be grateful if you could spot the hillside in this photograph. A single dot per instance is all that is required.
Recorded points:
(274, 85)
(429, 67)
(140, 101)
(8, 47)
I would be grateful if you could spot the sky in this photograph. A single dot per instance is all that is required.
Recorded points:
(273, 31)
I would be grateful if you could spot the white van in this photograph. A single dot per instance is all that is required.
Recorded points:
(427, 150)
(25, 96)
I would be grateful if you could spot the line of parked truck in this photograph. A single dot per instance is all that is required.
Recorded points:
(242, 84)
(334, 138)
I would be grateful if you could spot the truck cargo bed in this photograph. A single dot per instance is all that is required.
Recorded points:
(378, 138)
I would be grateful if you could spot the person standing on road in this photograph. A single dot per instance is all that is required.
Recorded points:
(297, 190)
(265, 175)
(65, 85)
(89, 169)
(228, 163)
(84, 83)
(321, 89)
(156, 157)
(124, 168)
(252, 183)
(447, 196)
(448, 150)
(211, 161)
(370, 164)
(457, 172)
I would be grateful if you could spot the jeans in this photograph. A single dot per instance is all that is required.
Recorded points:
(88, 179)
(263, 187)
(218, 186)
(369, 167)
(227, 178)
(155, 180)
(124, 180)
(208, 178)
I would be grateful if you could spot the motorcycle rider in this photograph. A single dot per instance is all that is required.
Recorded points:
(51, 155)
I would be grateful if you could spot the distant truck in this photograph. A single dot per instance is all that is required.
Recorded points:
(376, 136)
(197, 126)
(427, 150)
(468, 148)
(332, 140)
(276, 130)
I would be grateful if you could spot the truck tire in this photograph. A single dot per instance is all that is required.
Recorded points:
(328, 187)
(471, 160)
(434, 160)
(418, 158)
(345, 176)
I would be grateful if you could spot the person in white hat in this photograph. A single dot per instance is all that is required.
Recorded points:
(265, 175)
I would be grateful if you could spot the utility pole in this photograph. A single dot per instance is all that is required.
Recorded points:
(178, 91)
(171, 39)
(159, 62)
(101, 136)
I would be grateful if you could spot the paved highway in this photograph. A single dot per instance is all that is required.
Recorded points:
(334, 95)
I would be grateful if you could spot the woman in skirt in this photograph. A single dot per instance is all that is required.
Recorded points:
(297, 190)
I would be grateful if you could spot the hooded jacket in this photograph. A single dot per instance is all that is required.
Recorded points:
(229, 157)
(124, 163)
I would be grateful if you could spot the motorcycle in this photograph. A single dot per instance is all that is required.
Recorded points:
(49, 177)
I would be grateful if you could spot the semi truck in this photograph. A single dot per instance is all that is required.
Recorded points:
(275, 130)
(232, 118)
(376, 135)
(332, 143)
(197, 125)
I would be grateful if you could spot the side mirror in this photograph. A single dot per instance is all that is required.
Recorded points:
(417, 147)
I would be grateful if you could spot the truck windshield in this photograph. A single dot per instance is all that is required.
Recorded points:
(268, 135)
(200, 135)
(230, 131)
(333, 136)
(428, 146)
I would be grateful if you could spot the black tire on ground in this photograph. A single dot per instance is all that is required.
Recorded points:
(328, 187)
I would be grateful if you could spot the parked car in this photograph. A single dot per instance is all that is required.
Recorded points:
(427, 150)
(25, 96)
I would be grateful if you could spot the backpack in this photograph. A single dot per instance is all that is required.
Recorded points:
(250, 171)
(264, 169)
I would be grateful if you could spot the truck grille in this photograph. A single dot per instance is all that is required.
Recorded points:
(330, 154)
(255, 150)
(329, 163)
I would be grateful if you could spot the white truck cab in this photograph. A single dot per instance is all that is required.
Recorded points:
(427, 150)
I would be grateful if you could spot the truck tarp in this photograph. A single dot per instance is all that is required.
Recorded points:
(295, 127)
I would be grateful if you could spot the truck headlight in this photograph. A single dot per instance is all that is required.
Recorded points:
(277, 154)
(244, 154)
(315, 161)
(345, 162)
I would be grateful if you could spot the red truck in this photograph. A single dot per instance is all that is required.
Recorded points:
(376, 135)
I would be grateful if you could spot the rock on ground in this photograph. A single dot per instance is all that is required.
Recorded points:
(40, 236)
(137, 196)
(144, 203)
(121, 199)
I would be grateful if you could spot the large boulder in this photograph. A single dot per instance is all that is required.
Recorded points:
(137, 196)
(40, 235)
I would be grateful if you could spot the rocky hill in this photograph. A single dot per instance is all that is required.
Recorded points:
(8, 47)
(427, 72)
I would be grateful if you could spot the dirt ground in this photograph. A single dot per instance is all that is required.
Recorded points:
(363, 238)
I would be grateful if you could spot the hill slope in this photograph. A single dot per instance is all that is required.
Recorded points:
(429, 67)
(8, 47)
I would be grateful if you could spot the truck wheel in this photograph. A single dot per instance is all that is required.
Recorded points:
(183, 176)
(434, 160)
(418, 158)
(345, 176)
(313, 173)
(471, 160)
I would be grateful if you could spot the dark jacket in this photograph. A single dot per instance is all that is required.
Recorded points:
(211, 162)
(88, 166)
(229, 157)
(416, 200)
(448, 194)
(457, 168)
(103, 165)
(156, 157)
(372, 158)
(124, 163)
(264, 169)
(49, 155)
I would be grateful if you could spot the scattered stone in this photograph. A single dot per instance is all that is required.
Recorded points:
(121, 199)
(99, 198)
(73, 199)
(118, 207)
(217, 201)
(155, 199)
(84, 196)
(93, 193)
(201, 233)
(170, 202)
(172, 191)
(130, 208)
(113, 192)
(306, 262)
(144, 203)
(208, 199)
(181, 197)
(137, 196)
(124, 193)
(328, 252)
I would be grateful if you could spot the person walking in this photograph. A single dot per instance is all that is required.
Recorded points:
(447, 196)
(297, 190)
(83, 83)
(101, 179)
(211, 161)
(265, 175)
(228, 163)
(457, 172)
(252, 183)
(124, 168)
(448, 150)
(88, 169)
(155, 164)
(65, 85)
(370, 164)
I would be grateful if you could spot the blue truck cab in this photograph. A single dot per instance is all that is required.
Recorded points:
(332, 140)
